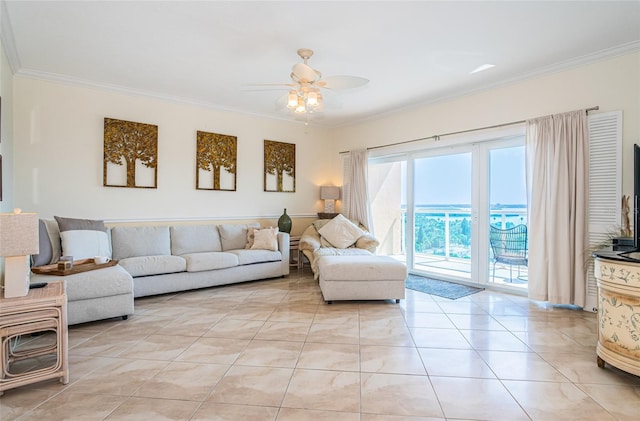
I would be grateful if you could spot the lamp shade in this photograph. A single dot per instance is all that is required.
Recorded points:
(18, 234)
(329, 193)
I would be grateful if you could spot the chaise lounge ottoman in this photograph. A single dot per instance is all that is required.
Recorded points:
(361, 278)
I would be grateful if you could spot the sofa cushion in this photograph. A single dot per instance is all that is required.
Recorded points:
(234, 236)
(83, 238)
(265, 239)
(198, 262)
(341, 232)
(361, 268)
(140, 241)
(187, 239)
(113, 280)
(153, 265)
(249, 257)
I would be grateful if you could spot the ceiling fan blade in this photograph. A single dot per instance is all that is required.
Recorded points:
(254, 85)
(342, 82)
(304, 73)
(267, 87)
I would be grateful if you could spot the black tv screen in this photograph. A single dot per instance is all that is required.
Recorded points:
(636, 196)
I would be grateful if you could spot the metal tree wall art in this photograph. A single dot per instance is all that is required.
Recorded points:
(216, 154)
(130, 154)
(279, 166)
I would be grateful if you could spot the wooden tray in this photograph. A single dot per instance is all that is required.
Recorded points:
(79, 266)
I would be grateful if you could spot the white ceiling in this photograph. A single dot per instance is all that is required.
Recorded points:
(206, 52)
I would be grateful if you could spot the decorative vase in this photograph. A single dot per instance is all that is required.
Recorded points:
(284, 222)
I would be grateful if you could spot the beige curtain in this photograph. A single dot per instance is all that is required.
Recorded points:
(557, 157)
(356, 204)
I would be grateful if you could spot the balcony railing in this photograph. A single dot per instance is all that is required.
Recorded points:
(442, 237)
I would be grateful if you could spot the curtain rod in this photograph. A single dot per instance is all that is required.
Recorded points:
(437, 137)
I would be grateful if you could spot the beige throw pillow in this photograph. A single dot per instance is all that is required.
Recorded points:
(251, 237)
(265, 239)
(340, 232)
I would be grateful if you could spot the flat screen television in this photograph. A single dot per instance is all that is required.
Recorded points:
(636, 197)
(635, 253)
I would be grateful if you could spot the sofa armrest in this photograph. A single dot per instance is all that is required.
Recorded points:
(284, 246)
(367, 242)
(310, 239)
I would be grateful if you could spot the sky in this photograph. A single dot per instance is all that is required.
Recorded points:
(446, 179)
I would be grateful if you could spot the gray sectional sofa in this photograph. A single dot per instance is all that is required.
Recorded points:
(157, 260)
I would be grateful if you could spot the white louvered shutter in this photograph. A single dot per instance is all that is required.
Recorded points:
(605, 179)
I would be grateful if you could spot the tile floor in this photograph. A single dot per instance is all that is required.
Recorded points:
(273, 350)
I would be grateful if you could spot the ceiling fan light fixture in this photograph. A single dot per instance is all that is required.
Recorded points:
(292, 99)
(301, 108)
(304, 96)
(312, 99)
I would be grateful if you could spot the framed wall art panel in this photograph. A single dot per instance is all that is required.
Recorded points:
(130, 154)
(216, 161)
(279, 166)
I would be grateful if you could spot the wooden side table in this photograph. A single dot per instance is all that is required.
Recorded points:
(325, 215)
(42, 310)
(294, 252)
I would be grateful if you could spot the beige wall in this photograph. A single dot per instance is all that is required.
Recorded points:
(612, 84)
(59, 148)
(6, 137)
(58, 143)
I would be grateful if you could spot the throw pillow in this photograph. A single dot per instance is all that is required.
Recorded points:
(265, 239)
(45, 254)
(367, 242)
(341, 232)
(319, 223)
(325, 243)
(83, 238)
(234, 236)
(251, 237)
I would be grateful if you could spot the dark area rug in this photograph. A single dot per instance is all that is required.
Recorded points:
(440, 288)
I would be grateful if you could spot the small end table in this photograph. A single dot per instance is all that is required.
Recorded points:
(41, 310)
(325, 215)
(295, 258)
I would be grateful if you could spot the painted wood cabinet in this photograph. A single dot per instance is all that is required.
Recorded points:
(618, 314)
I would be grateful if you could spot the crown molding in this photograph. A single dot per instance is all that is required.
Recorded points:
(7, 36)
(609, 53)
(73, 81)
(8, 42)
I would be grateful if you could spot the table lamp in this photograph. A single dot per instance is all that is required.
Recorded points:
(18, 239)
(329, 194)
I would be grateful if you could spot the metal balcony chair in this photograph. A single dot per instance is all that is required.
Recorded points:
(509, 246)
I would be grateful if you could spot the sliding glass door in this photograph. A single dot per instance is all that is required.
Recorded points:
(442, 214)
(433, 208)
(508, 212)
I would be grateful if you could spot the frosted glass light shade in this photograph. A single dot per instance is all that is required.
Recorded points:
(312, 99)
(292, 99)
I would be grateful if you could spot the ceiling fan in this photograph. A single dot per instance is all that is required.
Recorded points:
(304, 92)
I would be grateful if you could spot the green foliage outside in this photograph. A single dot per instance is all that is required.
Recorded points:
(429, 234)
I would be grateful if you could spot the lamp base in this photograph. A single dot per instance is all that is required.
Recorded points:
(16, 276)
(329, 206)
